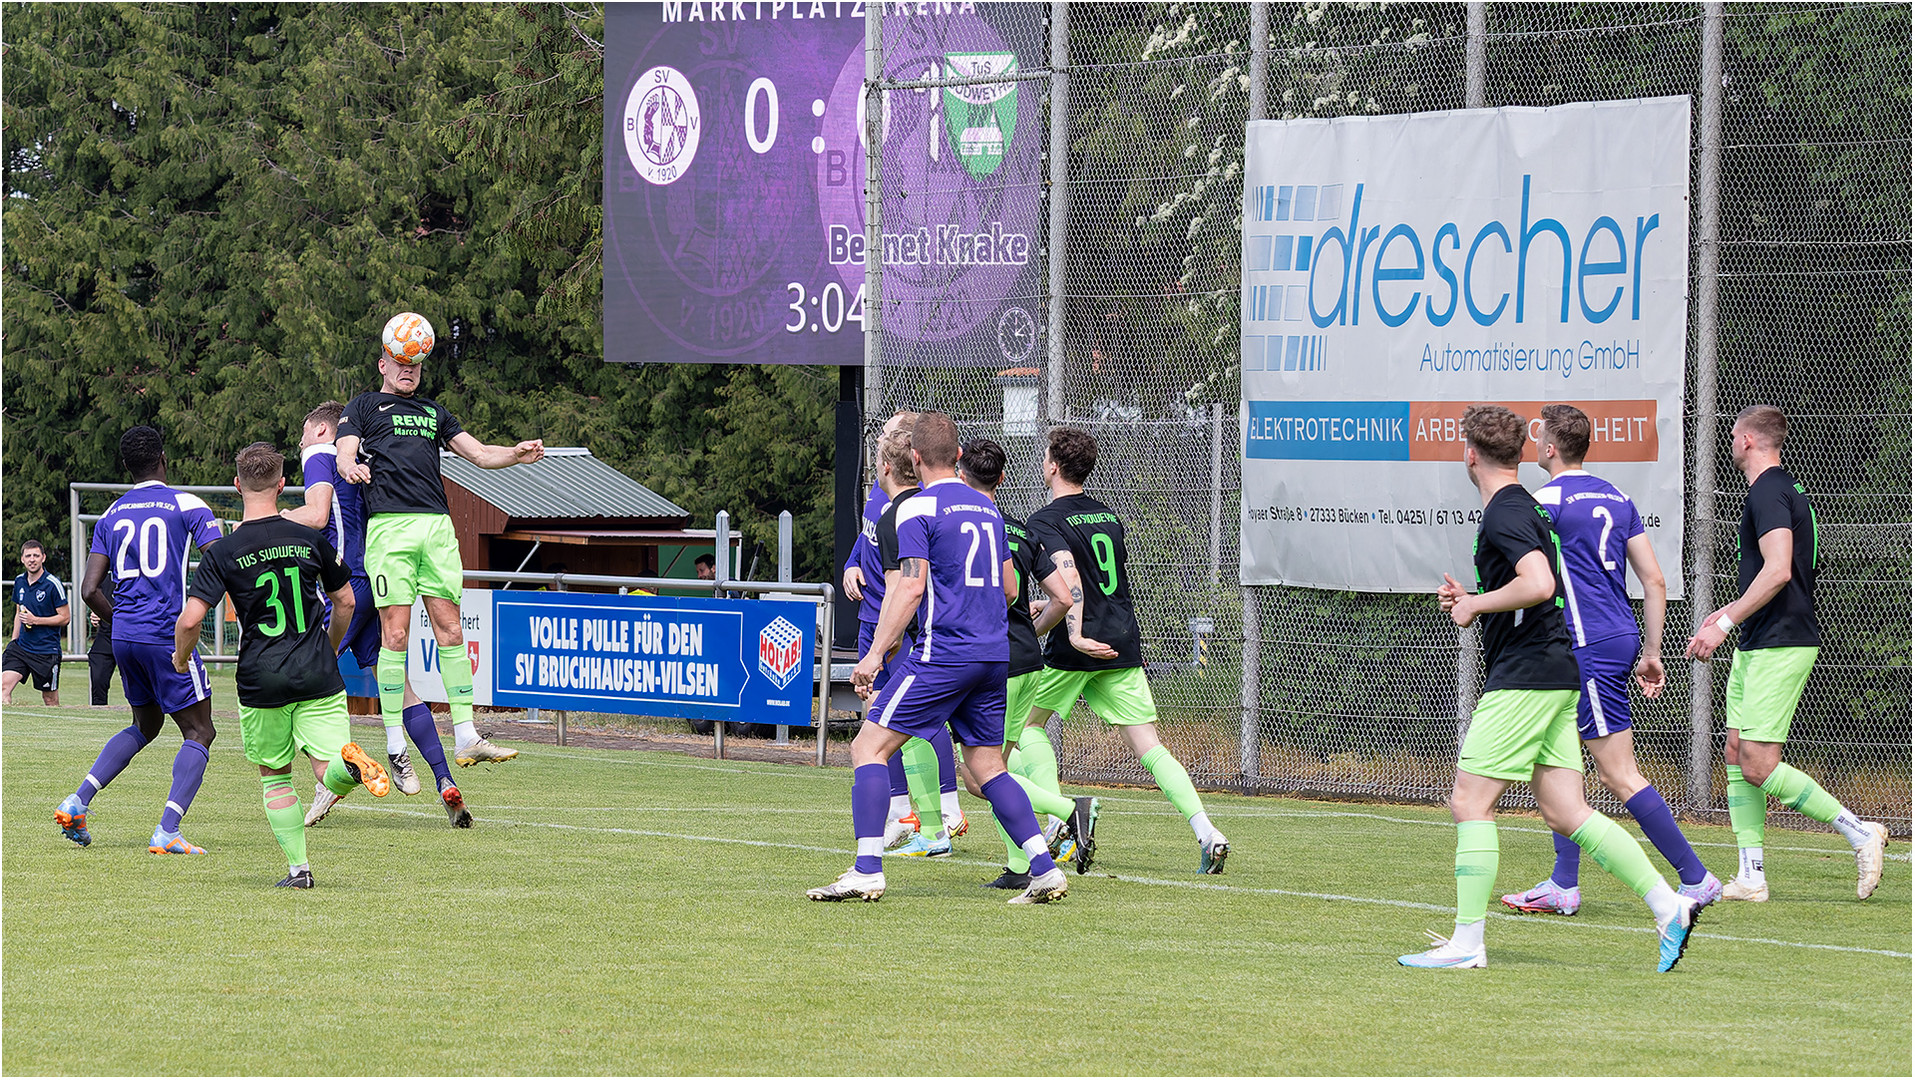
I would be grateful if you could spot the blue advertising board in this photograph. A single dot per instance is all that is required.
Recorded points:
(705, 659)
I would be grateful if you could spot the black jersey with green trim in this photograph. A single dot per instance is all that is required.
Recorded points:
(1778, 501)
(400, 438)
(1529, 648)
(888, 551)
(1094, 537)
(1031, 565)
(275, 570)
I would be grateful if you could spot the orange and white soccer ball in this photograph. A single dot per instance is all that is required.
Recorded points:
(407, 337)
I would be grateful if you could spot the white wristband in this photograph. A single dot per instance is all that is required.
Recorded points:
(1725, 624)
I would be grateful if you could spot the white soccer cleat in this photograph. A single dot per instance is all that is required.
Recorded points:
(897, 832)
(1868, 860)
(481, 749)
(1740, 888)
(403, 776)
(323, 802)
(1044, 888)
(1446, 955)
(850, 885)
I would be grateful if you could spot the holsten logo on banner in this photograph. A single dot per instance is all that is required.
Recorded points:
(1398, 268)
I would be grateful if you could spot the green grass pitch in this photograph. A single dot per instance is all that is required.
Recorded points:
(644, 913)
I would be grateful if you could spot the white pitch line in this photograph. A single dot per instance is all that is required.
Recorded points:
(1161, 882)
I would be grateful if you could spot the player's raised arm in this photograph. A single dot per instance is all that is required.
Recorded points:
(487, 456)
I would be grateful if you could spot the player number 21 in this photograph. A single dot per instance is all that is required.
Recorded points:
(979, 537)
(278, 625)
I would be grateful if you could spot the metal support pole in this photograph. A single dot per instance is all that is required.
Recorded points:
(1216, 492)
(1260, 60)
(873, 209)
(826, 614)
(1054, 407)
(76, 543)
(1701, 533)
(1475, 64)
(721, 569)
(784, 545)
(1250, 741)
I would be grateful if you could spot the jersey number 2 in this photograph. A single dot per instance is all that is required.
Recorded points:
(1602, 544)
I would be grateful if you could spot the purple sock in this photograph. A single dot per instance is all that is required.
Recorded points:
(425, 735)
(114, 757)
(870, 796)
(1569, 860)
(1659, 825)
(189, 768)
(947, 760)
(895, 766)
(1019, 821)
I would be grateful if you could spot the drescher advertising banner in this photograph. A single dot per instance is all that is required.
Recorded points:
(1398, 268)
(734, 182)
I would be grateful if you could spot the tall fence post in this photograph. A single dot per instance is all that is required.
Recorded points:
(1700, 532)
(1249, 737)
(1216, 492)
(1475, 68)
(76, 543)
(873, 209)
(1053, 406)
(721, 528)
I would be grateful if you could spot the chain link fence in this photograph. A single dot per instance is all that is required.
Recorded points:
(1122, 159)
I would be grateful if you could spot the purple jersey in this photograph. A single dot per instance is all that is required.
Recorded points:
(1595, 523)
(346, 526)
(143, 537)
(964, 616)
(864, 556)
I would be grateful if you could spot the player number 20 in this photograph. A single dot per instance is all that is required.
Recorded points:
(979, 538)
(152, 549)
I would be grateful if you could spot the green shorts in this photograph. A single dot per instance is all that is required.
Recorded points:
(1119, 696)
(413, 555)
(1020, 693)
(1764, 687)
(1513, 731)
(319, 727)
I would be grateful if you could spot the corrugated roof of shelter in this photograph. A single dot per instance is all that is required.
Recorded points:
(567, 483)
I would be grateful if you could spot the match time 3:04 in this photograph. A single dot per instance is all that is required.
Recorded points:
(827, 310)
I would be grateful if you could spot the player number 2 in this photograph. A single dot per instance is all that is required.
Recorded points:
(979, 537)
(1105, 550)
(1602, 545)
(278, 625)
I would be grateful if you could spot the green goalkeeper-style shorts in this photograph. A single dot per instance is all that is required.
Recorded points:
(1513, 731)
(1765, 685)
(1020, 694)
(413, 555)
(270, 737)
(1118, 696)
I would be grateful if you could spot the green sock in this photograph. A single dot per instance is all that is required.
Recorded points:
(456, 670)
(338, 780)
(1748, 808)
(1037, 758)
(1045, 802)
(1016, 859)
(391, 673)
(1617, 852)
(1794, 789)
(921, 773)
(1476, 858)
(285, 816)
(1173, 781)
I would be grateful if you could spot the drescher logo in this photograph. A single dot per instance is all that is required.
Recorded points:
(780, 651)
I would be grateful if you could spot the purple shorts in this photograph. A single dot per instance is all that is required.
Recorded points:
(1603, 707)
(147, 676)
(921, 698)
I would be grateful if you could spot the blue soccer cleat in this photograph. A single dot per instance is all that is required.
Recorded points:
(165, 843)
(71, 817)
(1445, 956)
(1673, 936)
(922, 847)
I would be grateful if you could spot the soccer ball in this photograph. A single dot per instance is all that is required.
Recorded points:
(407, 338)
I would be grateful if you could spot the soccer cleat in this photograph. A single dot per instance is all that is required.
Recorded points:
(1868, 860)
(323, 802)
(296, 879)
(1044, 888)
(1212, 854)
(171, 844)
(963, 826)
(898, 832)
(70, 815)
(482, 749)
(1084, 834)
(1056, 831)
(365, 770)
(456, 812)
(850, 885)
(1009, 879)
(1546, 898)
(922, 847)
(1672, 937)
(1445, 955)
(1704, 892)
(1739, 888)
(403, 775)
